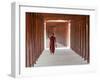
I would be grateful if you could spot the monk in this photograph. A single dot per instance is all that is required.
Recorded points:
(52, 43)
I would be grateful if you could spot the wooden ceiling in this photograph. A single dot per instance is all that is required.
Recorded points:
(51, 16)
(54, 16)
(56, 24)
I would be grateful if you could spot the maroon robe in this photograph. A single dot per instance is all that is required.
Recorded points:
(52, 44)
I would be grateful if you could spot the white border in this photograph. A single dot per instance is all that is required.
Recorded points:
(18, 63)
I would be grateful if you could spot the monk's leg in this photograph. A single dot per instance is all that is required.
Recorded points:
(50, 49)
(53, 49)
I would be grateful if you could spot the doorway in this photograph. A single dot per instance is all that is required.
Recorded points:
(61, 29)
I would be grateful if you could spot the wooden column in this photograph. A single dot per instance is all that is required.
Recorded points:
(34, 38)
(80, 36)
(87, 40)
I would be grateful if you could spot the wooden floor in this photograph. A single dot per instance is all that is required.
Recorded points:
(61, 57)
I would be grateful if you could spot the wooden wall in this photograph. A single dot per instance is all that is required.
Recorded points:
(80, 36)
(34, 37)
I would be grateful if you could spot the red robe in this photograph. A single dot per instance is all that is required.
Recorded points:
(52, 44)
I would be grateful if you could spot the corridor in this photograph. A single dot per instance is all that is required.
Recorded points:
(72, 39)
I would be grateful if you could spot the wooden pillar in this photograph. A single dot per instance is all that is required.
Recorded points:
(34, 38)
(80, 36)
